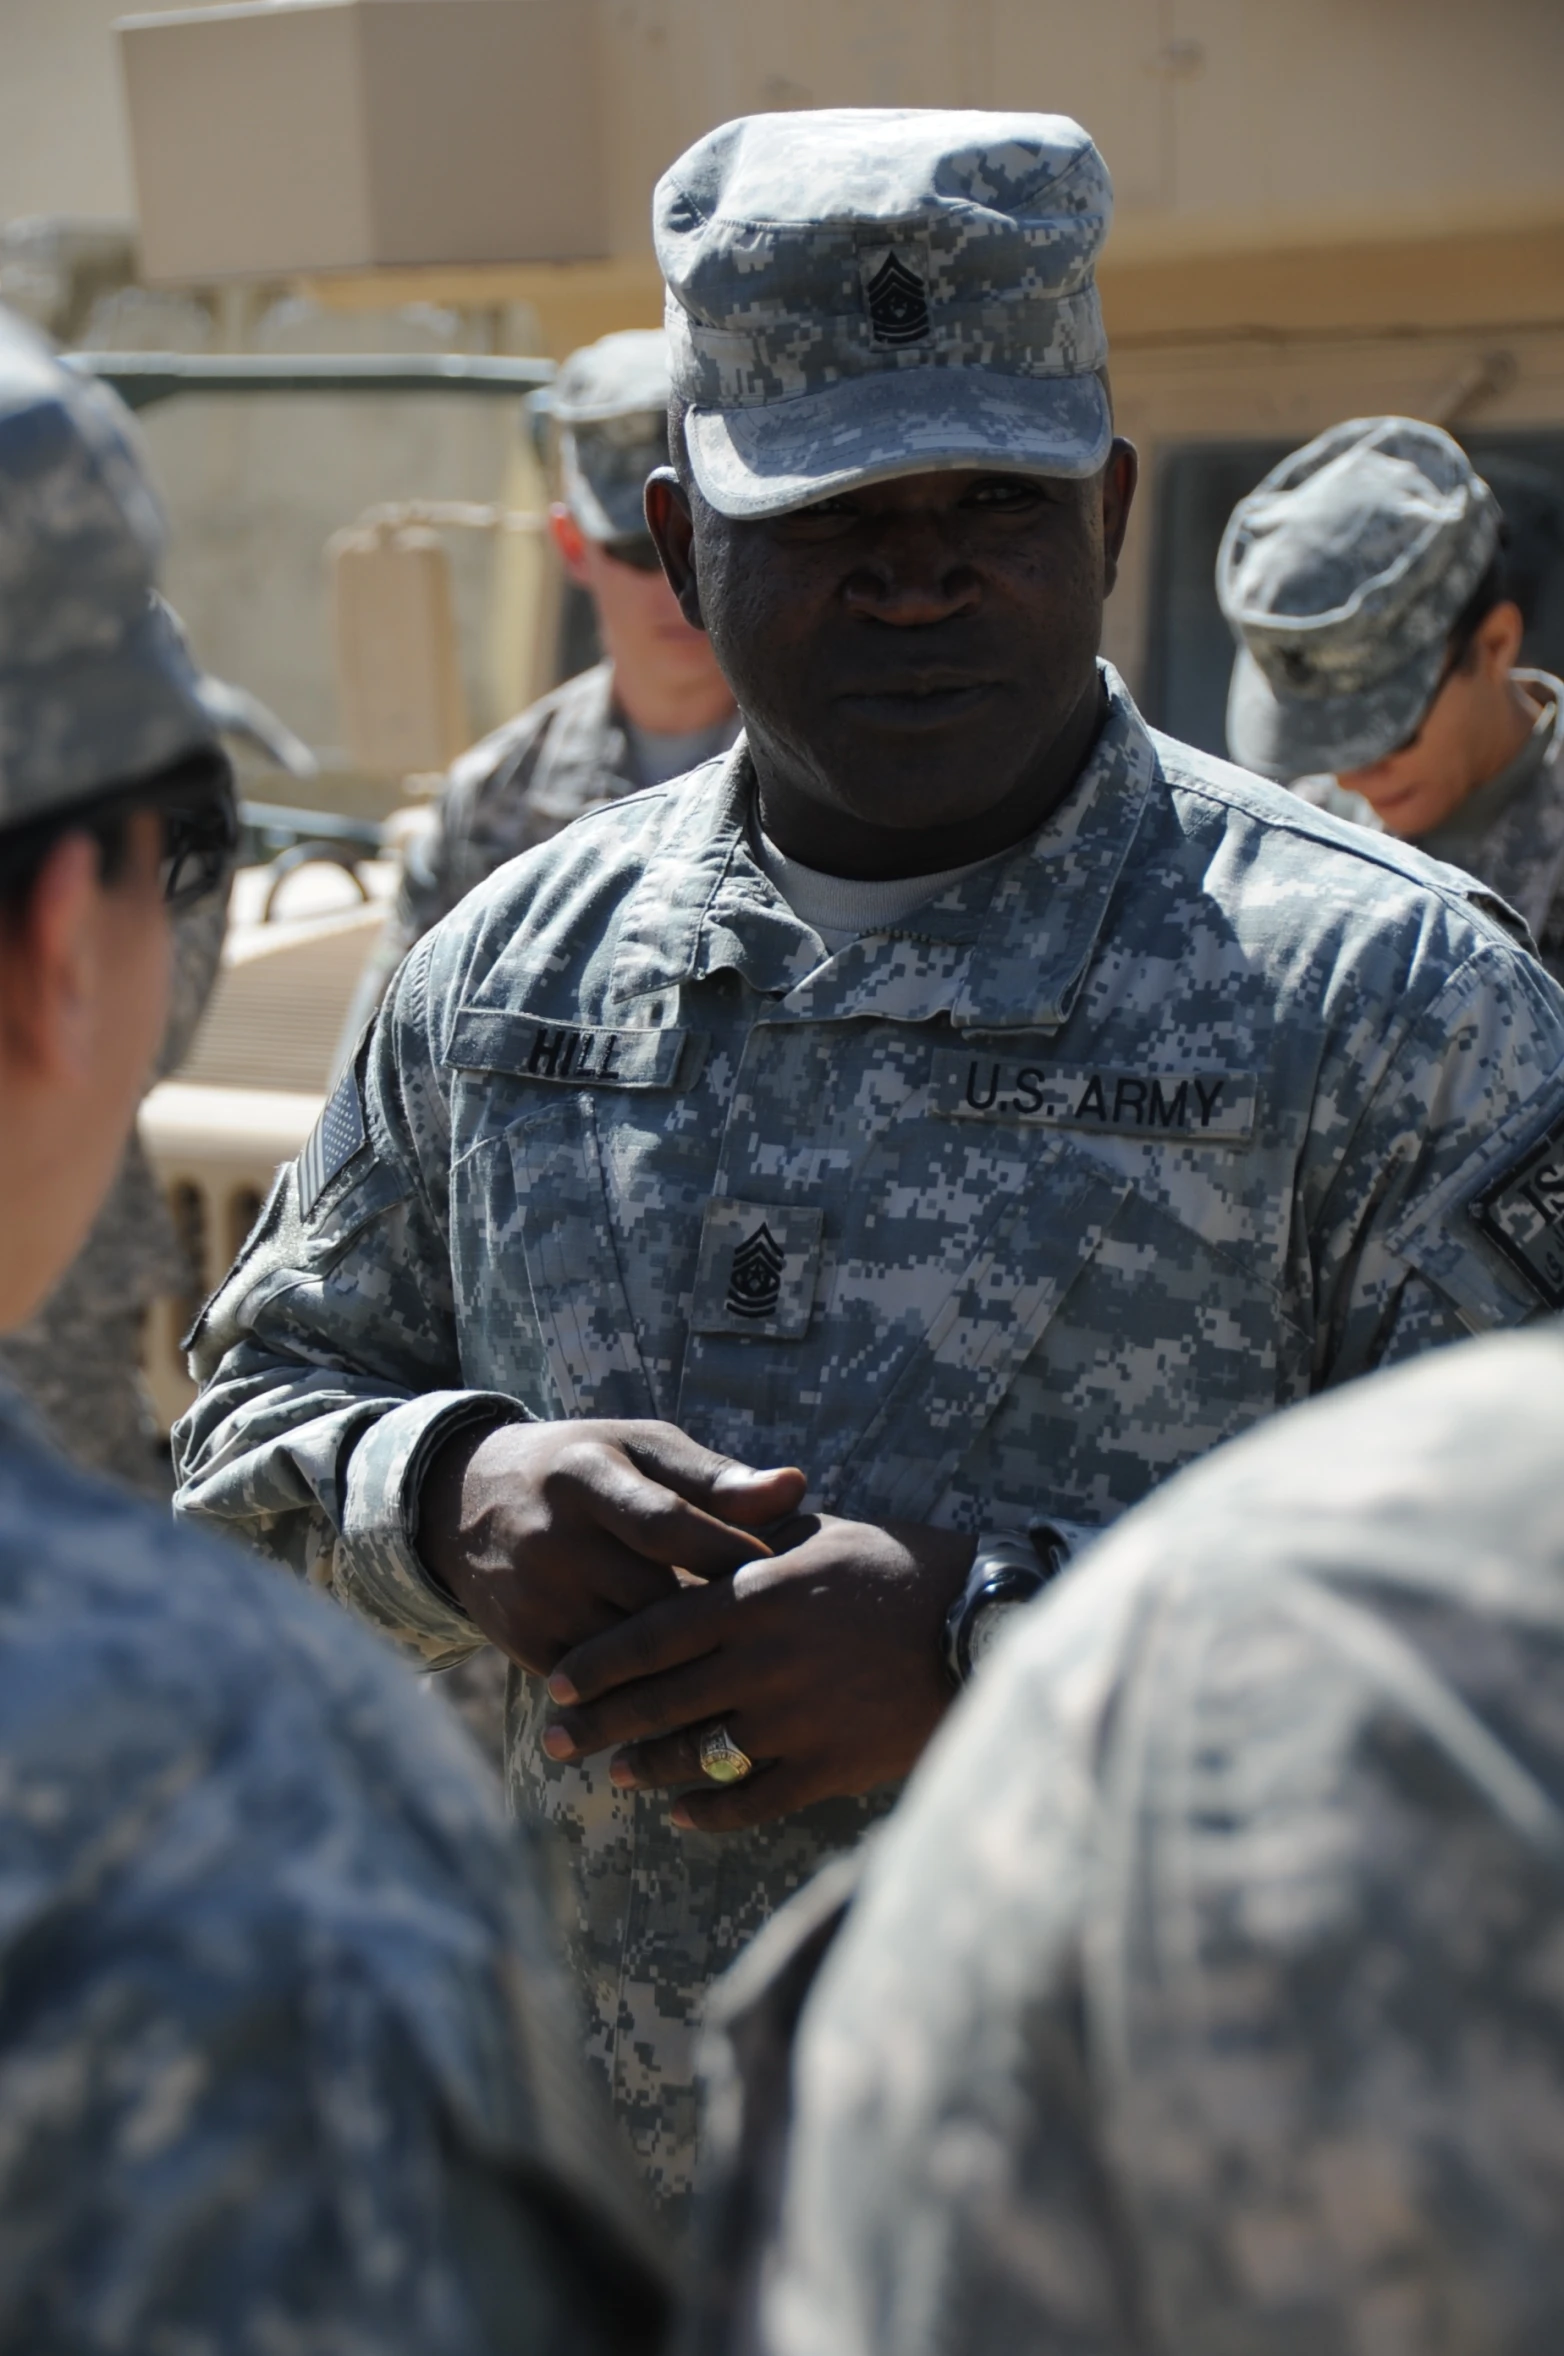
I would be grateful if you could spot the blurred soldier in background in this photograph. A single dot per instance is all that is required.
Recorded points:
(656, 705)
(1365, 581)
(958, 1104)
(286, 2060)
(1204, 1993)
(77, 1359)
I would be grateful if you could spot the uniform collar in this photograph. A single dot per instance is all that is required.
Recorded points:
(1004, 948)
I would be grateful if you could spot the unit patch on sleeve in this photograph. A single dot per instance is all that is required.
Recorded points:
(336, 1137)
(1523, 1214)
(1203, 1108)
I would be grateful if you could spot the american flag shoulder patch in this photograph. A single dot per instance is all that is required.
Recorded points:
(336, 1137)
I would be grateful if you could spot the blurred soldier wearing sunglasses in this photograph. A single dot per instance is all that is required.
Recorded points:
(657, 704)
(77, 1359)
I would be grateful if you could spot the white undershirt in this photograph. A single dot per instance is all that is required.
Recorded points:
(658, 756)
(840, 908)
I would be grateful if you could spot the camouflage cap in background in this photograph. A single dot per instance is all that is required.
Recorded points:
(1341, 577)
(610, 403)
(864, 292)
(96, 685)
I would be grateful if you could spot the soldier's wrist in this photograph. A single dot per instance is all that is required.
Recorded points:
(1010, 1568)
(437, 1511)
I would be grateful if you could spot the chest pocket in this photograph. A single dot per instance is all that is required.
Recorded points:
(981, 1335)
(907, 1356)
(542, 1306)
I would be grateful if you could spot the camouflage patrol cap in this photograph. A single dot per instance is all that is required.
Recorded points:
(1341, 577)
(860, 293)
(96, 685)
(610, 402)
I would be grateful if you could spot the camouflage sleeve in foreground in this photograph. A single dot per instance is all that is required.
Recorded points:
(1204, 1995)
(287, 2064)
(332, 1374)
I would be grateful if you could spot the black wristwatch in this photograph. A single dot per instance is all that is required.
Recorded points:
(1006, 1572)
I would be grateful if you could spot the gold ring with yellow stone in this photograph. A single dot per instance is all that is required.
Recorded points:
(721, 1759)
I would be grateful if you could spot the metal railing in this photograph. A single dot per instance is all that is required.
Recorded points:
(142, 378)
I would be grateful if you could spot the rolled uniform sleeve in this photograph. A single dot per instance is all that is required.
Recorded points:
(329, 1355)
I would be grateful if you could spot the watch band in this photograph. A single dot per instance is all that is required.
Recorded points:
(1008, 1568)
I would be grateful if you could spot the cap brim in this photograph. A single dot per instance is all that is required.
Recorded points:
(72, 730)
(1309, 736)
(605, 509)
(69, 730)
(895, 421)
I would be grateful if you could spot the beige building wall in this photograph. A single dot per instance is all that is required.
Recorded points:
(63, 147)
(1324, 206)
(1236, 130)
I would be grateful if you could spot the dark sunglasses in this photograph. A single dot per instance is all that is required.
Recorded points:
(638, 550)
(200, 838)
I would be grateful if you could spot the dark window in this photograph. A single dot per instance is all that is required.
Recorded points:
(1189, 648)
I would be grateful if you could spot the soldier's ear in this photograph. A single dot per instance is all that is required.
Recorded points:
(669, 521)
(1119, 477)
(570, 541)
(51, 965)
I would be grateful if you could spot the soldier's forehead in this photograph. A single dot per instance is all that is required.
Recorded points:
(935, 487)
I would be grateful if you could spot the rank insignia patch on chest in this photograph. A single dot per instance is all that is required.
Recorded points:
(1523, 1214)
(757, 1270)
(336, 1137)
(755, 1278)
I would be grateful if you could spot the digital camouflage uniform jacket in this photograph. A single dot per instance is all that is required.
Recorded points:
(287, 2060)
(1170, 1116)
(565, 754)
(1204, 1995)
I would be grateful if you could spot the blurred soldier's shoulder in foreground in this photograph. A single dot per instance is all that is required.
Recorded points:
(1204, 1992)
(285, 2056)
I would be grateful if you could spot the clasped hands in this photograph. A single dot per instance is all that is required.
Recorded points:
(658, 1586)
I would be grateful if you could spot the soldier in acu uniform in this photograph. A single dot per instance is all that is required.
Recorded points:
(77, 1360)
(1203, 1995)
(953, 1111)
(286, 2058)
(654, 707)
(1365, 581)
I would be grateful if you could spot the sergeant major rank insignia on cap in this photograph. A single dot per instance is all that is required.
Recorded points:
(897, 298)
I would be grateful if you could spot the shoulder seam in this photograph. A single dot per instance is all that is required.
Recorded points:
(1319, 826)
